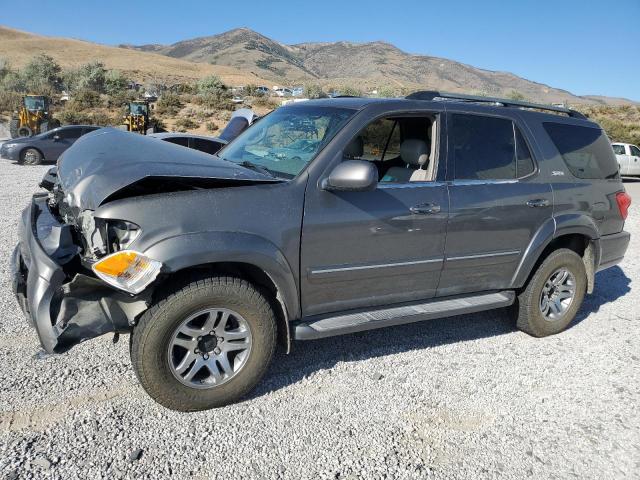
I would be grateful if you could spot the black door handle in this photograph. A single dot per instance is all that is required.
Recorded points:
(538, 202)
(425, 208)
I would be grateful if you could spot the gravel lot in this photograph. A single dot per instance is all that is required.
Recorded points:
(468, 397)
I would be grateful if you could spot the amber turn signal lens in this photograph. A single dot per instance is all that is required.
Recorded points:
(128, 270)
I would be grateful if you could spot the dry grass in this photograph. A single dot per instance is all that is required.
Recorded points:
(19, 47)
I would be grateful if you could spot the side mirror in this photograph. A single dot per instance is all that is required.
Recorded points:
(56, 138)
(352, 176)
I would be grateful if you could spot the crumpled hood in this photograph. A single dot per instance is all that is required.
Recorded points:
(106, 161)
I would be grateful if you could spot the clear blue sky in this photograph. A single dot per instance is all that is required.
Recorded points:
(587, 47)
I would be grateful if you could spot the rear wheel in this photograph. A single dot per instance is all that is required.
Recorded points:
(205, 345)
(554, 294)
(30, 156)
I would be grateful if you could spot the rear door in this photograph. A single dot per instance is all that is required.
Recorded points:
(497, 202)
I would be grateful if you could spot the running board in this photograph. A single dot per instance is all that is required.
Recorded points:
(357, 321)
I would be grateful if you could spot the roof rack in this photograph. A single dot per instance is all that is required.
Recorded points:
(430, 95)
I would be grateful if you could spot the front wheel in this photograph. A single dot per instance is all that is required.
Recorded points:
(553, 295)
(30, 156)
(205, 345)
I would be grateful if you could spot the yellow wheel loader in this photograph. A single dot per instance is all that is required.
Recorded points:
(138, 118)
(32, 117)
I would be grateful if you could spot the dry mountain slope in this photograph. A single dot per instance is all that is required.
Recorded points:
(366, 64)
(19, 47)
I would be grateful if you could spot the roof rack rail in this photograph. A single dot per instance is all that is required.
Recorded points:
(430, 95)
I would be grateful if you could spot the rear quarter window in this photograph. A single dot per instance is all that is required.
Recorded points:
(586, 151)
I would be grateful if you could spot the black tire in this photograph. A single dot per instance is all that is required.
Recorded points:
(13, 127)
(25, 132)
(152, 335)
(53, 123)
(530, 318)
(30, 156)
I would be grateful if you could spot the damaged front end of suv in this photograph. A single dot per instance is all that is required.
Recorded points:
(77, 273)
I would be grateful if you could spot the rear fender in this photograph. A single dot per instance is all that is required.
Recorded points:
(554, 228)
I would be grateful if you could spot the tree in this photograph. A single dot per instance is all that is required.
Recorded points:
(91, 76)
(42, 73)
(211, 85)
(115, 83)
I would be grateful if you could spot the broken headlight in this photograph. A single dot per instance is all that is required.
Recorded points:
(127, 270)
(121, 234)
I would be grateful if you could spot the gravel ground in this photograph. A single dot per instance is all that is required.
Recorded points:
(467, 397)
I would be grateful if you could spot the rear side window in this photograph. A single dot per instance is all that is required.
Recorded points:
(488, 148)
(585, 150)
(70, 133)
(206, 146)
(184, 141)
(635, 151)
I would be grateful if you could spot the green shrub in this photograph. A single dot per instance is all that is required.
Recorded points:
(115, 83)
(313, 90)
(210, 84)
(42, 73)
(352, 91)
(211, 126)
(516, 95)
(91, 76)
(184, 124)
(85, 99)
(168, 104)
(9, 100)
(73, 116)
(118, 99)
(265, 102)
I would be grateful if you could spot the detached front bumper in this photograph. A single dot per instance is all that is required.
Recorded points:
(65, 305)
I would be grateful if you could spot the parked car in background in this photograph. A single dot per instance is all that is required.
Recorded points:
(262, 90)
(45, 147)
(628, 156)
(239, 122)
(297, 91)
(283, 92)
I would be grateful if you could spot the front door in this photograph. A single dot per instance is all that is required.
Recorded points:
(497, 203)
(363, 249)
(65, 138)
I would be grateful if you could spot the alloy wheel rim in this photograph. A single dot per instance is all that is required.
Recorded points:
(209, 348)
(557, 294)
(30, 157)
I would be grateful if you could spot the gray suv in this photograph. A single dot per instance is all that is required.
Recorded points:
(326, 217)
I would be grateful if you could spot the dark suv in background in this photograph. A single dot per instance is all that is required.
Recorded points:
(326, 217)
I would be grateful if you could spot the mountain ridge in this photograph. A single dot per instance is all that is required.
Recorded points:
(369, 65)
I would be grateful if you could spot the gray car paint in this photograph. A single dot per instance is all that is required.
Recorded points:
(45, 143)
(329, 251)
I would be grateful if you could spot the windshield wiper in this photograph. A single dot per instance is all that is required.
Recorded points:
(257, 168)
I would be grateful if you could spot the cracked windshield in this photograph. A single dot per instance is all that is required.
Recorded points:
(285, 141)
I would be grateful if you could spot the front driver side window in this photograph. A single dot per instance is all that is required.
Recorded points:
(400, 148)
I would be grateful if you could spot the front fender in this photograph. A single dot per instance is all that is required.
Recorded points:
(193, 249)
